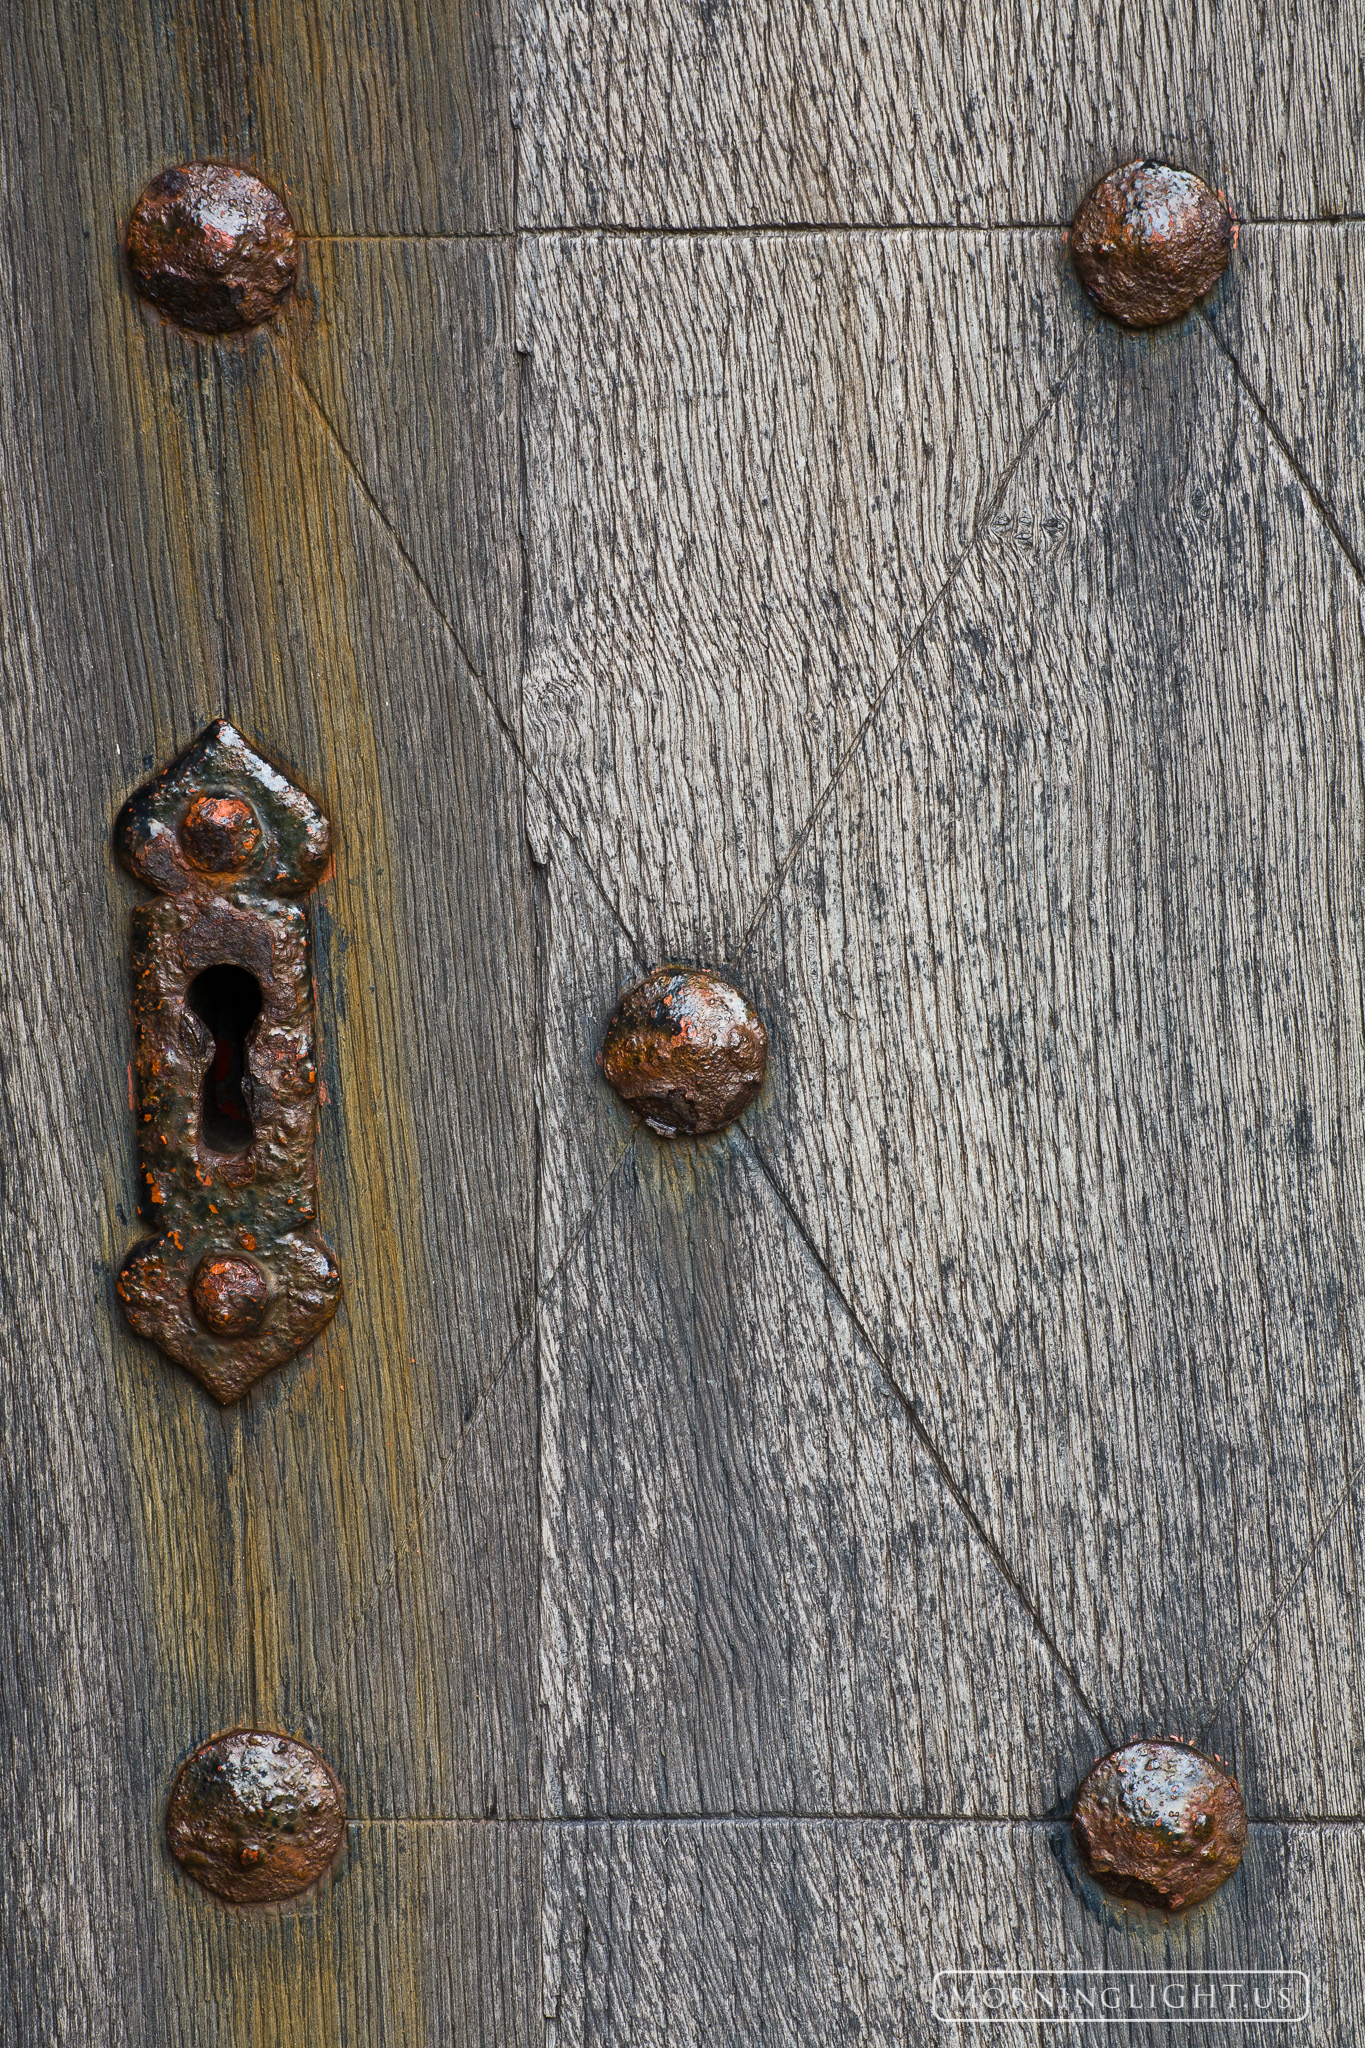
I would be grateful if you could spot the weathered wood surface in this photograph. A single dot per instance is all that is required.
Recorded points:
(764, 1599)
(751, 465)
(273, 529)
(1292, 314)
(708, 1567)
(785, 1933)
(1087, 1152)
(856, 111)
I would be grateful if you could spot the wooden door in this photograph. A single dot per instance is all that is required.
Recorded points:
(688, 510)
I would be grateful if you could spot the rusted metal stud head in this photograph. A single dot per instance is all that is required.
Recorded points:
(255, 1817)
(1161, 1823)
(220, 833)
(685, 1051)
(229, 1296)
(1149, 242)
(212, 247)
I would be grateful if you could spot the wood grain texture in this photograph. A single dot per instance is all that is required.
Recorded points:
(751, 464)
(1294, 1721)
(795, 1935)
(852, 111)
(188, 534)
(429, 1933)
(371, 119)
(1079, 1132)
(586, 960)
(985, 687)
(1293, 315)
(405, 347)
(757, 1596)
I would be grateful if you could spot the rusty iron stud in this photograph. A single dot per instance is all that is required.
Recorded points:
(212, 247)
(685, 1051)
(237, 1277)
(255, 1817)
(1149, 242)
(1161, 1823)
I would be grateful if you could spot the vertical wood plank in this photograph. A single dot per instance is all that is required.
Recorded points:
(190, 531)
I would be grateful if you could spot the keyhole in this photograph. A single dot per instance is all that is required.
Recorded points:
(228, 1000)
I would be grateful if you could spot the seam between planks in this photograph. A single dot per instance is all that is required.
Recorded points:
(717, 230)
(1313, 1823)
(404, 1545)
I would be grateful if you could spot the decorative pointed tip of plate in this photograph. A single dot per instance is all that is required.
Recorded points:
(219, 815)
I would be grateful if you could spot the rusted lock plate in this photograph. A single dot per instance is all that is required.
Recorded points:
(238, 1278)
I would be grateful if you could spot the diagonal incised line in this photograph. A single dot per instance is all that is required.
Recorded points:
(1315, 495)
(419, 583)
(903, 660)
(357, 475)
(403, 1547)
(936, 1456)
(1286, 1597)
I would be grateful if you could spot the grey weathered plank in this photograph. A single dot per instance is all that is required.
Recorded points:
(585, 960)
(1080, 1129)
(1293, 314)
(751, 463)
(757, 1596)
(337, 662)
(806, 1933)
(1295, 1719)
(847, 111)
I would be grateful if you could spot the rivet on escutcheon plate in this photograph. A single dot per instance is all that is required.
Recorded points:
(220, 833)
(229, 1296)
(1149, 242)
(255, 1817)
(685, 1051)
(212, 247)
(1161, 1823)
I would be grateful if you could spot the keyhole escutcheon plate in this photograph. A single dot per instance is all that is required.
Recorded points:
(238, 1277)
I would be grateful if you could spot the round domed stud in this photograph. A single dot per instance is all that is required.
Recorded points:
(685, 1051)
(229, 1295)
(220, 833)
(212, 247)
(255, 1817)
(1149, 242)
(1160, 1823)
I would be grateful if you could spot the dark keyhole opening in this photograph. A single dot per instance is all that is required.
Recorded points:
(228, 1000)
